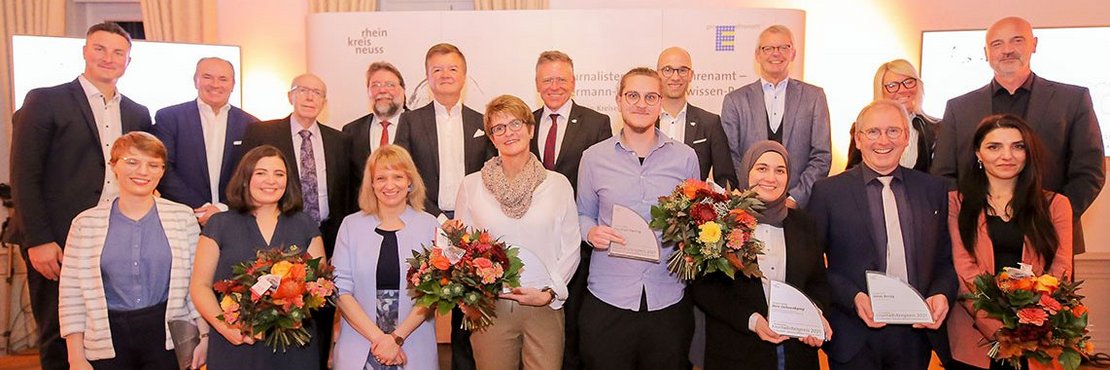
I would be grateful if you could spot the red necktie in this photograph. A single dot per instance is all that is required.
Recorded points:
(549, 145)
(385, 134)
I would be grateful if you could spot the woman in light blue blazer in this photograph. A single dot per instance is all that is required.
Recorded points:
(380, 328)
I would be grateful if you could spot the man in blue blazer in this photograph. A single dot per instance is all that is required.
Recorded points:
(887, 218)
(776, 107)
(61, 139)
(202, 139)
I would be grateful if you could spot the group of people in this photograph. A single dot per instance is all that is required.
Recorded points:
(150, 215)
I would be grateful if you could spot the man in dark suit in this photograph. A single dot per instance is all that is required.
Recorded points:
(61, 140)
(317, 156)
(776, 107)
(567, 129)
(202, 139)
(386, 89)
(887, 218)
(447, 143)
(1062, 115)
(691, 125)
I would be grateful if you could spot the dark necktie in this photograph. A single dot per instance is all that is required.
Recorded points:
(549, 145)
(385, 134)
(308, 177)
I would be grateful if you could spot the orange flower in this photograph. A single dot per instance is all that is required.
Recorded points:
(1025, 284)
(1089, 348)
(484, 238)
(289, 289)
(444, 282)
(1079, 310)
(690, 187)
(743, 217)
(1032, 315)
(297, 272)
(439, 261)
(1047, 284)
(1049, 304)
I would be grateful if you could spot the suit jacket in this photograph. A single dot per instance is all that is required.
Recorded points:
(186, 179)
(359, 133)
(926, 142)
(728, 304)
(851, 250)
(416, 132)
(57, 163)
(705, 134)
(586, 128)
(1064, 119)
(968, 329)
(805, 131)
(336, 149)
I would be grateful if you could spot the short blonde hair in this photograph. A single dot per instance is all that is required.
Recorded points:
(391, 157)
(902, 67)
(143, 142)
(509, 105)
(554, 56)
(639, 71)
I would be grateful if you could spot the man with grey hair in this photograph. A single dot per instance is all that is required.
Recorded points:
(386, 90)
(776, 107)
(1061, 115)
(202, 139)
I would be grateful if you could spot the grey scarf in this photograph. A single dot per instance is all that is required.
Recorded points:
(515, 196)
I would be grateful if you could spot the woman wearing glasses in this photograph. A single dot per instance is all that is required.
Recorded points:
(531, 208)
(898, 80)
(125, 273)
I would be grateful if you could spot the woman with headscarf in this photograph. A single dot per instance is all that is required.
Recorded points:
(737, 331)
(898, 80)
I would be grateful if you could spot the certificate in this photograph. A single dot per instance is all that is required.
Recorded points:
(639, 240)
(895, 302)
(791, 313)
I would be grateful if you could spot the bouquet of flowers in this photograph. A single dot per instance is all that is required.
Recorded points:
(466, 269)
(1042, 318)
(271, 296)
(712, 230)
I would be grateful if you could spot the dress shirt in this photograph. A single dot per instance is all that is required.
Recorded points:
(774, 96)
(109, 127)
(135, 262)
(878, 219)
(547, 234)
(452, 153)
(1017, 103)
(773, 260)
(560, 130)
(909, 156)
(317, 155)
(376, 129)
(214, 126)
(611, 174)
(674, 126)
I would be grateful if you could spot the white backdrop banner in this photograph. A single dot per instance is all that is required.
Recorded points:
(501, 48)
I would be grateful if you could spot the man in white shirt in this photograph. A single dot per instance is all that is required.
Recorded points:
(202, 139)
(386, 90)
(447, 143)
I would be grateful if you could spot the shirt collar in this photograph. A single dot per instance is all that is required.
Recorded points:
(296, 128)
(441, 110)
(767, 85)
(563, 111)
(661, 139)
(869, 175)
(92, 92)
(204, 107)
(681, 112)
(392, 119)
(997, 88)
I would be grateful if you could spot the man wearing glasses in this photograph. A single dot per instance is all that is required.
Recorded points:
(791, 112)
(691, 125)
(1062, 115)
(635, 315)
(386, 90)
(317, 156)
(565, 130)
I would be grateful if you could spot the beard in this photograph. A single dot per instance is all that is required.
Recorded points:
(387, 109)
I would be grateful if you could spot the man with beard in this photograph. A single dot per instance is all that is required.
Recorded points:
(386, 89)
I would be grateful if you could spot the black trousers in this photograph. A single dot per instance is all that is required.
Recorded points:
(995, 365)
(462, 353)
(139, 339)
(324, 320)
(572, 308)
(612, 338)
(894, 347)
(44, 306)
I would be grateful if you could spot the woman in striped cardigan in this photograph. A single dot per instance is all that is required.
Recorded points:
(125, 274)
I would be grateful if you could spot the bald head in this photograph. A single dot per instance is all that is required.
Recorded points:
(676, 69)
(1009, 47)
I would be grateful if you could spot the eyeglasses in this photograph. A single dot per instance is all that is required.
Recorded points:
(554, 81)
(891, 133)
(388, 85)
(501, 129)
(893, 87)
(633, 97)
(305, 92)
(669, 71)
(133, 164)
(768, 49)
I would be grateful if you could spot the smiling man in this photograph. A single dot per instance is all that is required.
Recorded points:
(202, 139)
(776, 107)
(61, 141)
(385, 89)
(1061, 115)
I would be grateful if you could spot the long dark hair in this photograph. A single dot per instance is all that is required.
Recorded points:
(238, 188)
(1030, 203)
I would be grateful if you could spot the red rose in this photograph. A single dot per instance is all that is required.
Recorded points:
(702, 213)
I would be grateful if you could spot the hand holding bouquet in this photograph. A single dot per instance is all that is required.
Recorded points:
(271, 296)
(712, 230)
(1042, 318)
(469, 270)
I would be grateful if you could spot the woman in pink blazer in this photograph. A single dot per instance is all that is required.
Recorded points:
(1001, 217)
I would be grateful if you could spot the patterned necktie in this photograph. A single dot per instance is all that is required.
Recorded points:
(309, 189)
(385, 134)
(549, 145)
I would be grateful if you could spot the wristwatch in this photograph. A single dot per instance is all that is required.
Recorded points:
(552, 292)
(397, 338)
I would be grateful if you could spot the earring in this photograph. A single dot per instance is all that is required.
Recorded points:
(980, 162)
(410, 188)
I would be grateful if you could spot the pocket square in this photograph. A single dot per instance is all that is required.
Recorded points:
(237, 142)
(699, 141)
(479, 133)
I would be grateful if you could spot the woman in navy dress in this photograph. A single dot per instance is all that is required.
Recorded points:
(264, 214)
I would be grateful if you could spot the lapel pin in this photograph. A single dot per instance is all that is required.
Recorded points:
(692, 123)
(574, 120)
